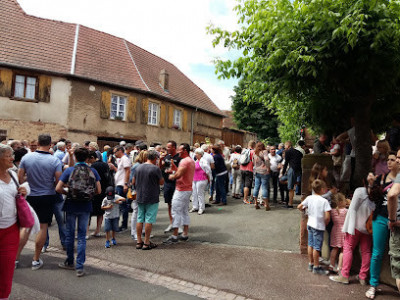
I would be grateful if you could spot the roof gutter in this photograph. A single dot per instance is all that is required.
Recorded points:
(75, 49)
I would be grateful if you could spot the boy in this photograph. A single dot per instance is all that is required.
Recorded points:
(111, 216)
(318, 217)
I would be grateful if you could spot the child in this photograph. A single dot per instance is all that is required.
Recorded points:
(337, 236)
(111, 216)
(318, 217)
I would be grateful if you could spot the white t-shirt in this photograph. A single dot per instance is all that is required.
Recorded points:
(274, 160)
(123, 162)
(209, 158)
(317, 206)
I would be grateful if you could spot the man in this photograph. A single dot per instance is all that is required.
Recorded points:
(60, 153)
(393, 207)
(33, 146)
(281, 148)
(129, 151)
(42, 170)
(293, 159)
(147, 180)
(275, 161)
(181, 199)
(301, 146)
(226, 153)
(121, 183)
(83, 183)
(166, 161)
(247, 173)
(320, 145)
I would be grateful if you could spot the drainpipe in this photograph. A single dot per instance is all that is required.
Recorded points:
(192, 128)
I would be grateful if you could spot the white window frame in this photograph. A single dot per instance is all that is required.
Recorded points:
(177, 121)
(153, 116)
(18, 84)
(121, 106)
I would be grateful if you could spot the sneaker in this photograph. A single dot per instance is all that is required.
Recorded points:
(80, 272)
(134, 237)
(362, 281)
(108, 244)
(16, 264)
(310, 267)
(114, 242)
(200, 212)
(44, 249)
(340, 279)
(87, 237)
(170, 240)
(320, 271)
(183, 237)
(66, 265)
(245, 201)
(37, 264)
(168, 229)
(192, 210)
(122, 229)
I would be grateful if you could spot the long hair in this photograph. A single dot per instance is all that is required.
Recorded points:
(316, 172)
(259, 147)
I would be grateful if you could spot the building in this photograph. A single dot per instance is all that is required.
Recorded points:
(83, 84)
(232, 135)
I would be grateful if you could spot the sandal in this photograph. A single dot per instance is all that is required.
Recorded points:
(149, 246)
(139, 245)
(370, 294)
(257, 206)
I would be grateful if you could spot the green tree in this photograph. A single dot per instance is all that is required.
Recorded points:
(333, 58)
(254, 116)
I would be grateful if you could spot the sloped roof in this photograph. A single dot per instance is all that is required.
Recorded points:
(41, 44)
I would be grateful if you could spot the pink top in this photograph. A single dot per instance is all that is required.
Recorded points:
(337, 236)
(199, 173)
(185, 182)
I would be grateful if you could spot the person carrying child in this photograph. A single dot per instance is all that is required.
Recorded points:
(337, 236)
(318, 217)
(111, 216)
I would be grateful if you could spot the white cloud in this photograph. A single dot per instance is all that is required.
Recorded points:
(174, 30)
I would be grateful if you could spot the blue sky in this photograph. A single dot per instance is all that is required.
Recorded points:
(174, 30)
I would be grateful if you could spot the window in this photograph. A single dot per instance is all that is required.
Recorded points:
(25, 87)
(118, 104)
(153, 114)
(177, 118)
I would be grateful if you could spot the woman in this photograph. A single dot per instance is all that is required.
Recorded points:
(9, 229)
(380, 231)
(356, 233)
(262, 174)
(379, 158)
(202, 175)
(220, 175)
(236, 175)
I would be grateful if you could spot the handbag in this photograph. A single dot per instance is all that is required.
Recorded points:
(368, 223)
(24, 214)
(131, 194)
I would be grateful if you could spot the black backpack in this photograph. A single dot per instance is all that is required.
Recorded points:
(81, 184)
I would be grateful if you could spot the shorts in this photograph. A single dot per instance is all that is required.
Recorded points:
(169, 189)
(292, 178)
(247, 179)
(111, 224)
(315, 238)
(394, 252)
(147, 213)
(43, 206)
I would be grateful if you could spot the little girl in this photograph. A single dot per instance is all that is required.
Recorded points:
(338, 216)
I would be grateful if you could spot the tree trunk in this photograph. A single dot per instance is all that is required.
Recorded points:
(363, 143)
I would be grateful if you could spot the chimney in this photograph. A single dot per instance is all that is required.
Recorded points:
(164, 79)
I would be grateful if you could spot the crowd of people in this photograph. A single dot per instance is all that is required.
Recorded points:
(76, 182)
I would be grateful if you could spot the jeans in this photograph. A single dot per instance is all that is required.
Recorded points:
(123, 207)
(59, 214)
(261, 180)
(275, 179)
(83, 221)
(380, 234)
(350, 243)
(212, 183)
(220, 188)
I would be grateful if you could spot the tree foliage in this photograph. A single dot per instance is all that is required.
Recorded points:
(330, 59)
(254, 116)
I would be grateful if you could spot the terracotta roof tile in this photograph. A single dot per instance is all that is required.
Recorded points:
(37, 43)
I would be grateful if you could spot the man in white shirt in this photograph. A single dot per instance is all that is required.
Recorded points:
(275, 161)
(121, 183)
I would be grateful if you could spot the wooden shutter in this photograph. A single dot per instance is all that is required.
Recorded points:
(44, 88)
(105, 105)
(185, 121)
(145, 111)
(170, 116)
(163, 109)
(132, 102)
(6, 78)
